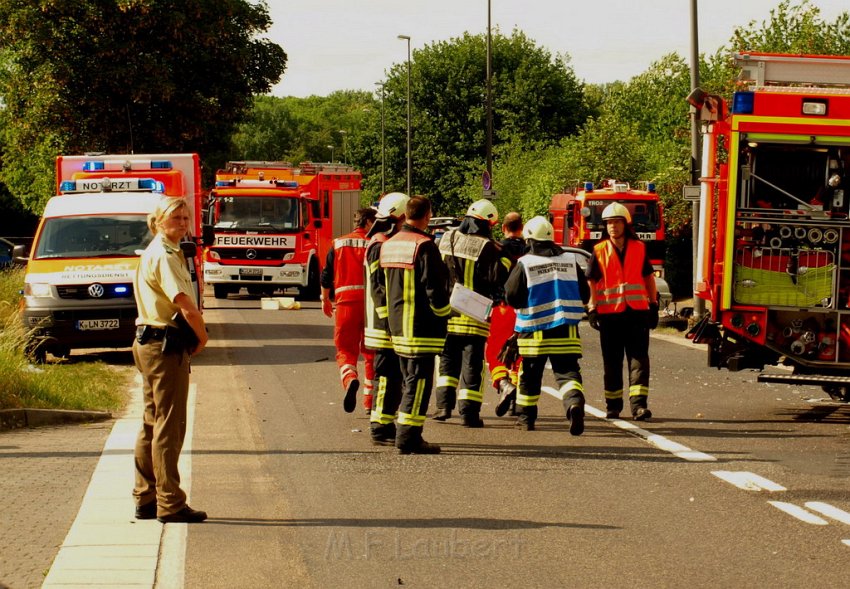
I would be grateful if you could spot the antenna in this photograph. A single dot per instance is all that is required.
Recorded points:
(130, 126)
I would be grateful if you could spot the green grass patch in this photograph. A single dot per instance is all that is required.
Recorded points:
(55, 385)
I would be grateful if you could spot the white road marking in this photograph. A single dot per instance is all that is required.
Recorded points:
(829, 511)
(748, 481)
(846, 542)
(800, 513)
(659, 442)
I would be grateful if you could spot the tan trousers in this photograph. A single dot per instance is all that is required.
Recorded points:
(165, 384)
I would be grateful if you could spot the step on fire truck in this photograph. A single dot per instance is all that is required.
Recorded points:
(274, 224)
(774, 234)
(577, 221)
(78, 287)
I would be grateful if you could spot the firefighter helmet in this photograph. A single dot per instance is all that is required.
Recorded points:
(392, 205)
(538, 228)
(483, 209)
(616, 211)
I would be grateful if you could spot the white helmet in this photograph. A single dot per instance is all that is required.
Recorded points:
(392, 205)
(539, 228)
(616, 211)
(483, 209)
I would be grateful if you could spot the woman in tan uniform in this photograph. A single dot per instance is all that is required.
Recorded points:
(162, 288)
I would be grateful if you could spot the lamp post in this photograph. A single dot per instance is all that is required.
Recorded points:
(489, 105)
(409, 182)
(344, 150)
(331, 147)
(383, 175)
(699, 304)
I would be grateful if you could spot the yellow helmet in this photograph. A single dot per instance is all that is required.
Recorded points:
(483, 209)
(616, 211)
(392, 205)
(539, 228)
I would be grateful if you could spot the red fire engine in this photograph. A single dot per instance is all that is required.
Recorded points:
(774, 235)
(274, 224)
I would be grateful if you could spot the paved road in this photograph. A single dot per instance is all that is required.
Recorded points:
(299, 498)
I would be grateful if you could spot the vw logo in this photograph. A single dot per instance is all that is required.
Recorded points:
(251, 254)
(96, 290)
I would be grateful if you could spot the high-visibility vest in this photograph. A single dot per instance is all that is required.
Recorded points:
(621, 286)
(463, 252)
(349, 253)
(553, 293)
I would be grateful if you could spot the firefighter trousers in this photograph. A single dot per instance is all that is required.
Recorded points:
(462, 374)
(388, 384)
(417, 380)
(565, 368)
(627, 333)
(502, 321)
(349, 329)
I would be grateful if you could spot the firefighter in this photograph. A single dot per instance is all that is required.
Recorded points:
(387, 375)
(548, 290)
(343, 280)
(417, 312)
(623, 307)
(474, 260)
(502, 321)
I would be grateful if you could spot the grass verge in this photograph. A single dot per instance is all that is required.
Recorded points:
(85, 386)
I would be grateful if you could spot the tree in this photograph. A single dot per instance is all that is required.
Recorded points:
(125, 76)
(795, 28)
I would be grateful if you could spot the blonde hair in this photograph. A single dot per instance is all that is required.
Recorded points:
(166, 206)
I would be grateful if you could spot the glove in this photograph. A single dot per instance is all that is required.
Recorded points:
(509, 353)
(593, 319)
(652, 316)
(327, 307)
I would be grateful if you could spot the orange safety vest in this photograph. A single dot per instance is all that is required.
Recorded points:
(349, 253)
(621, 286)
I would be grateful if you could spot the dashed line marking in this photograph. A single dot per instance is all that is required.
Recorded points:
(799, 513)
(659, 442)
(829, 511)
(748, 481)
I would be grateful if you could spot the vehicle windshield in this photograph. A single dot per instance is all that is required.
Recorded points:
(93, 237)
(645, 215)
(253, 212)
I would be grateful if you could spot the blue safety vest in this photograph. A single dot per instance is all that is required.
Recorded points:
(553, 293)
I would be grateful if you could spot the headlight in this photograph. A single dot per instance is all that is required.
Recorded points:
(37, 289)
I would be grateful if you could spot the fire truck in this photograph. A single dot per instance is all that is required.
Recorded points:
(774, 235)
(274, 224)
(577, 221)
(78, 286)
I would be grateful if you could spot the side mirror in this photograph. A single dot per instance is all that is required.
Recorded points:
(19, 254)
(585, 212)
(207, 235)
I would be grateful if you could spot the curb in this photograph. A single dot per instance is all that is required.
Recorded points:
(20, 418)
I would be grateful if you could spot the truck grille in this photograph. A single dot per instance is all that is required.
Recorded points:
(84, 291)
(240, 254)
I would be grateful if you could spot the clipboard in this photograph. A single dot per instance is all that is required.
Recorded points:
(468, 302)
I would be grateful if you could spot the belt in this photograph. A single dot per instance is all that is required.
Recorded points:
(150, 333)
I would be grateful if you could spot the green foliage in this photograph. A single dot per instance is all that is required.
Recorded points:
(795, 28)
(132, 76)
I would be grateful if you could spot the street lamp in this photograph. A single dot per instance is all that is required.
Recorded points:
(344, 150)
(489, 105)
(407, 38)
(383, 175)
(331, 147)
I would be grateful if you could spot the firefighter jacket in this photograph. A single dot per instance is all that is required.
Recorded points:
(477, 262)
(343, 270)
(377, 330)
(621, 283)
(548, 289)
(416, 291)
(514, 247)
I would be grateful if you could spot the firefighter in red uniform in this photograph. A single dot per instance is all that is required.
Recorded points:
(502, 320)
(623, 307)
(417, 312)
(343, 280)
(387, 376)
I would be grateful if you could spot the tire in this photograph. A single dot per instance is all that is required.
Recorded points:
(221, 291)
(313, 289)
(838, 393)
(677, 323)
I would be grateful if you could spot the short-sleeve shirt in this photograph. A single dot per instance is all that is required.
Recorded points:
(161, 276)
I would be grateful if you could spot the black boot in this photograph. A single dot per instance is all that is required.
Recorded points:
(507, 395)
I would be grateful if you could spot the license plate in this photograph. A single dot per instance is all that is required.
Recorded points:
(93, 324)
(250, 271)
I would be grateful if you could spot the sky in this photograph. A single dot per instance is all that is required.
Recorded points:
(351, 44)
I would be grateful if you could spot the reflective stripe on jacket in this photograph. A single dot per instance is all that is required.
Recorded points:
(553, 293)
(377, 334)
(349, 253)
(621, 286)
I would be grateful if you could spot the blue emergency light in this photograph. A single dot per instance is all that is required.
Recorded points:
(121, 289)
(93, 166)
(67, 186)
(743, 103)
(224, 183)
(588, 186)
(161, 165)
(650, 187)
(151, 184)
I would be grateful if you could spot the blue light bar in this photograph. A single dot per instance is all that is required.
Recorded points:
(743, 103)
(588, 186)
(93, 166)
(151, 184)
(286, 183)
(67, 186)
(224, 183)
(650, 187)
(161, 165)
